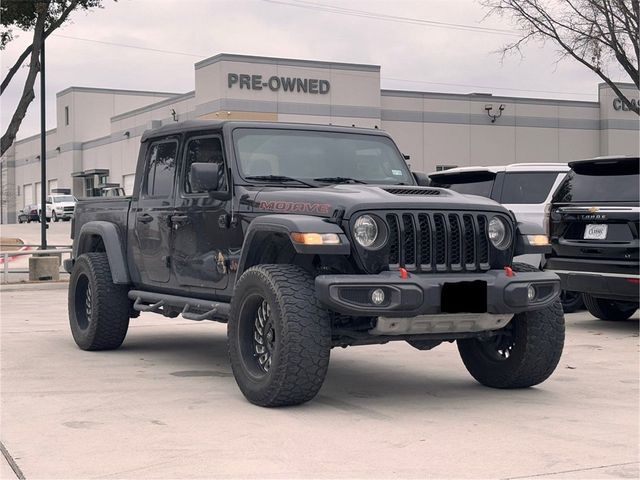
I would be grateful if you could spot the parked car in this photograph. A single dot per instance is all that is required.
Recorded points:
(524, 188)
(594, 235)
(303, 238)
(29, 214)
(112, 192)
(60, 207)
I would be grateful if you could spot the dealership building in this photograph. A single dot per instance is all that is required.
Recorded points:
(95, 143)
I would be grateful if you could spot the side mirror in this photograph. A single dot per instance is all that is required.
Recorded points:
(422, 179)
(204, 177)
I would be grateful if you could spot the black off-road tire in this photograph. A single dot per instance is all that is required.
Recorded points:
(54, 217)
(610, 310)
(98, 308)
(571, 301)
(299, 352)
(536, 340)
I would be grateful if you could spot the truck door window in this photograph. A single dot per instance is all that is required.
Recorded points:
(531, 187)
(204, 150)
(161, 167)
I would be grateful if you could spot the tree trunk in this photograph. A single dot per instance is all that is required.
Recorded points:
(27, 94)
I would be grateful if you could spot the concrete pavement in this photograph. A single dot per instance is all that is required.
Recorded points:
(166, 406)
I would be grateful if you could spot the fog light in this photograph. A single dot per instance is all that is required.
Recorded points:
(531, 293)
(377, 296)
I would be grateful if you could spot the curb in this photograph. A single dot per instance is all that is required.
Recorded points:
(13, 287)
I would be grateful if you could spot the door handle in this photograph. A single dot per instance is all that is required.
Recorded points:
(178, 220)
(145, 218)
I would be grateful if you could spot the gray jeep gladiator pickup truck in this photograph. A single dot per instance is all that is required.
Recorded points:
(303, 238)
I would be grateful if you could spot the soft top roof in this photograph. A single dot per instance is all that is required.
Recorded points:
(199, 125)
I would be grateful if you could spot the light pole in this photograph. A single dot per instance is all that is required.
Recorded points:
(43, 155)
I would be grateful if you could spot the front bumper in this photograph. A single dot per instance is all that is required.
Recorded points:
(490, 292)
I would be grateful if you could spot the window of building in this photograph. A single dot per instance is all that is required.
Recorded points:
(204, 150)
(103, 179)
(27, 198)
(66, 115)
(530, 187)
(89, 186)
(161, 167)
(442, 168)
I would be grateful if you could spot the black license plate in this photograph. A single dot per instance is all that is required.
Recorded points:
(464, 297)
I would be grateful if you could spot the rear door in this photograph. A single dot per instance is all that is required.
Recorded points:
(152, 215)
(482, 183)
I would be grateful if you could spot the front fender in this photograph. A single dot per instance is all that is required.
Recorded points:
(285, 225)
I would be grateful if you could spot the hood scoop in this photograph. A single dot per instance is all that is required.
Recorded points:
(412, 191)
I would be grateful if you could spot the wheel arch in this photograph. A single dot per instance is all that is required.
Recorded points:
(269, 231)
(100, 236)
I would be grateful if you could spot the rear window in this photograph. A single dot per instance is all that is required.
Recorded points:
(476, 183)
(530, 187)
(601, 182)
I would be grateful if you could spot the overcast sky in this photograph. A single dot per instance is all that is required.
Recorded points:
(413, 56)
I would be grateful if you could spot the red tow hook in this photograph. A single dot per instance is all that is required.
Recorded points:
(509, 271)
(403, 273)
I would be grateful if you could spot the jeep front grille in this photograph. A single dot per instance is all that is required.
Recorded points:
(438, 242)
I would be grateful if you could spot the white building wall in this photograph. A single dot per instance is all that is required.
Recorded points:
(435, 129)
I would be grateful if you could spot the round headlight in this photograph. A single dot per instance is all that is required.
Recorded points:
(365, 231)
(499, 233)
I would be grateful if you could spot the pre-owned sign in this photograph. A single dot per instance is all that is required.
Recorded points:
(276, 83)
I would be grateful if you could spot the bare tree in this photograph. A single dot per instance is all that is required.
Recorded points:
(596, 33)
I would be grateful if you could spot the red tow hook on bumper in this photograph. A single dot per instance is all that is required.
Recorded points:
(509, 271)
(403, 273)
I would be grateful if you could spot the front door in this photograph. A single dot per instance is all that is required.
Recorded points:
(153, 213)
(201, 233)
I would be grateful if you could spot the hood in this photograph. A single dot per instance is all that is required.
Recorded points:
(64, 204)
(352, 198)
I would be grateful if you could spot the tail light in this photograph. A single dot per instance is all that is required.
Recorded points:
(546, 219)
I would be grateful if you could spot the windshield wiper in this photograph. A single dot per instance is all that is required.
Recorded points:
(279, 178)
(338, 180)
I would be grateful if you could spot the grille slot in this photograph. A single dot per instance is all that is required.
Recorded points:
(455, 244)
(483, 240)
(408, 240)
(469, 240)
(440, 240)
(423, 241)
(394, 240)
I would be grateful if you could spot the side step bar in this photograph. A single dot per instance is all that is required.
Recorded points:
(155, 302)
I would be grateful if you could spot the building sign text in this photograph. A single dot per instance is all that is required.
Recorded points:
(276, 83)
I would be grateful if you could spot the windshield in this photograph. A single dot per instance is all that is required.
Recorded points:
(309, 155)
(468, 183)
(600, 183)
(64, 198)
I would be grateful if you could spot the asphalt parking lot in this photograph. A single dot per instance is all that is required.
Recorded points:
(166, 406)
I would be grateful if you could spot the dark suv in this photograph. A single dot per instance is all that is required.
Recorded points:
(594, 235)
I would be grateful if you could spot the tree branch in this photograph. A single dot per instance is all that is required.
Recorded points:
(23, 56)
(27, 94)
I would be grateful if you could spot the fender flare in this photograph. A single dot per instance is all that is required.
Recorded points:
(113, 245)
(286, 224)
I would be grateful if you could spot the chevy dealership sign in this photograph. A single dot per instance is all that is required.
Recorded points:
(276, 83)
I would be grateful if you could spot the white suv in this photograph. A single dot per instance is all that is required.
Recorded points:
(524, 188)
(60, 207)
